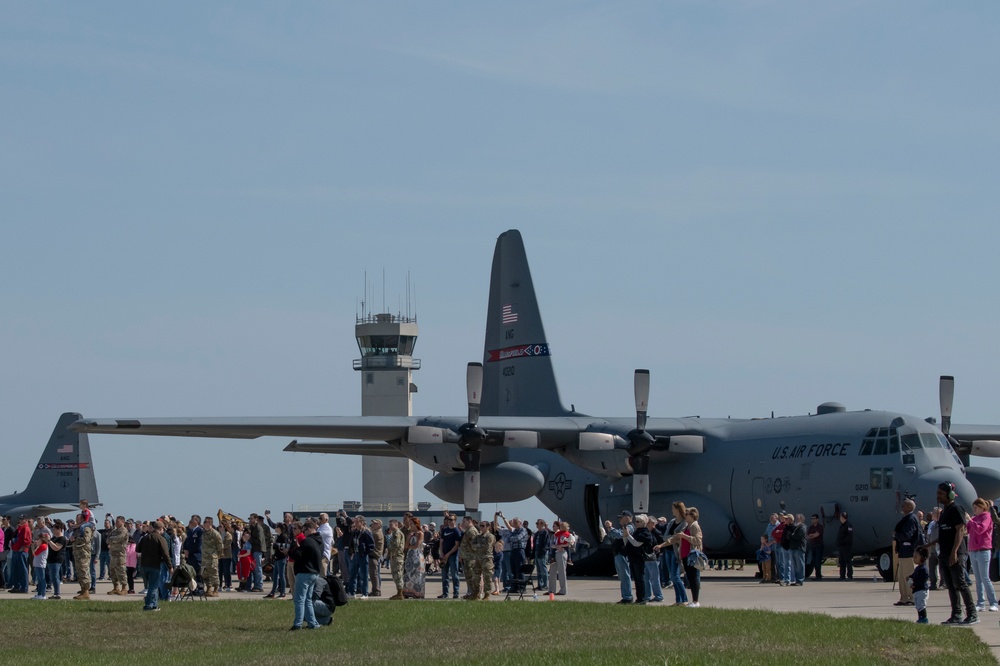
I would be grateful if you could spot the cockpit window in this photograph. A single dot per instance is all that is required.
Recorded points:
(931, 440)
(912, 441)
(882, 441)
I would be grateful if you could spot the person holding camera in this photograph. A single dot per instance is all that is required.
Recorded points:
(515, 540)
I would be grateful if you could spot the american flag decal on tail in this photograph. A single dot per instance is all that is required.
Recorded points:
(509, 314)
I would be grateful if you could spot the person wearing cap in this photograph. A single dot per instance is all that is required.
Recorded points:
(117, 540)
(954, 552)
(621, 561)
(83, 555)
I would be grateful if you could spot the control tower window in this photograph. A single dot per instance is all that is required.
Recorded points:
(380, 345)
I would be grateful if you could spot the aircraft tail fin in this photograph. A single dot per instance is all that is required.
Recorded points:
(517, 366)
(65, 472)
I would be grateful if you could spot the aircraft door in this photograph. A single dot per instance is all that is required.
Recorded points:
(758, 500)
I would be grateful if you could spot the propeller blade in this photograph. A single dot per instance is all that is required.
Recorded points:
(640, 484)
(641, 398)
(471, 486)
(946, 391)
(474, 386)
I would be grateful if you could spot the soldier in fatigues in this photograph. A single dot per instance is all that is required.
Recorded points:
(117, 544)
(466, 553)
(396, 543)
(483, 549)
(82, 553)
(211, 546)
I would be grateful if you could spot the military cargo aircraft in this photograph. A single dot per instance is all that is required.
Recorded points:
(518, 441)
(63, 477)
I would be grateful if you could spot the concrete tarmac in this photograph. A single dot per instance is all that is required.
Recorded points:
(864, 596)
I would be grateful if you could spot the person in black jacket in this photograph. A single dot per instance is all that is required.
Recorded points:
(797, 548)
(308, 556)
(906, 538)
(845, 543)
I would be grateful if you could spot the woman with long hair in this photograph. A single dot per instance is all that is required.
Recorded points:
(413, 564)
(690, 538)
(670, 549)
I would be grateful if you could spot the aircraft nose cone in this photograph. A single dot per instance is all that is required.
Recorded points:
(927, 488)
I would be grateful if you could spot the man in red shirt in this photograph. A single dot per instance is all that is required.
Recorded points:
(19, 554)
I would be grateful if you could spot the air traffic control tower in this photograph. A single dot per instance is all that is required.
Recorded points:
(386, 342)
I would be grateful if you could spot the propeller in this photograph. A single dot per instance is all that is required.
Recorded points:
(471, 437)
(640, 443)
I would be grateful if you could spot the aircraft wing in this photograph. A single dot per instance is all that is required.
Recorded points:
(345, 448)
(548, 432)
(383, 428)
(965, 433)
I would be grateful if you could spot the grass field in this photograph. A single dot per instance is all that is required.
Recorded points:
(464, 632)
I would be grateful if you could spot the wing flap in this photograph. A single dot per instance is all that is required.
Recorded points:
(345, 448)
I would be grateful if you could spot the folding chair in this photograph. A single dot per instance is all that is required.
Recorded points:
(522, 583)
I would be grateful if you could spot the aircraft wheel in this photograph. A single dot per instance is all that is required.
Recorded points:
(883, 562)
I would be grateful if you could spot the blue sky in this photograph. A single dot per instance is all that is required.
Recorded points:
(770, 205)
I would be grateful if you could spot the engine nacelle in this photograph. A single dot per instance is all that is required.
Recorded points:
(987, 448)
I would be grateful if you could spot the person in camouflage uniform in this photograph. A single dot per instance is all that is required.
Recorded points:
(212, 545)
(466, 553)
(117, 545)
(483, 548)
(396, 543)
(82, 554)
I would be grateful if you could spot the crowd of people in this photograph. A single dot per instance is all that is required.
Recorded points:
(292, 555)
(948, 548)
(940, 548)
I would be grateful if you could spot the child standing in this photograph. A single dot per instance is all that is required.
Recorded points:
(40, 549)
(920, 583)
(764, 560)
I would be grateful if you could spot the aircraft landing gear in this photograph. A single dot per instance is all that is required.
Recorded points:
(883, 562)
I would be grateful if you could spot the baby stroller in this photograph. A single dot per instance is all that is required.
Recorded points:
(185, 581)
(521, 583)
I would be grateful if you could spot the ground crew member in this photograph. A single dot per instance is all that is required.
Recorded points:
(467, 554)
(117, 545)
(82, 553)
(483, 549)
(211, 547)
(396, 544)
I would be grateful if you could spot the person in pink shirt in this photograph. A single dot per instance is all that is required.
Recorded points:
(980, 528)
(131, 562)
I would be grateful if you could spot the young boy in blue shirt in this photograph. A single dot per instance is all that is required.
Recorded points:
(920, 583)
